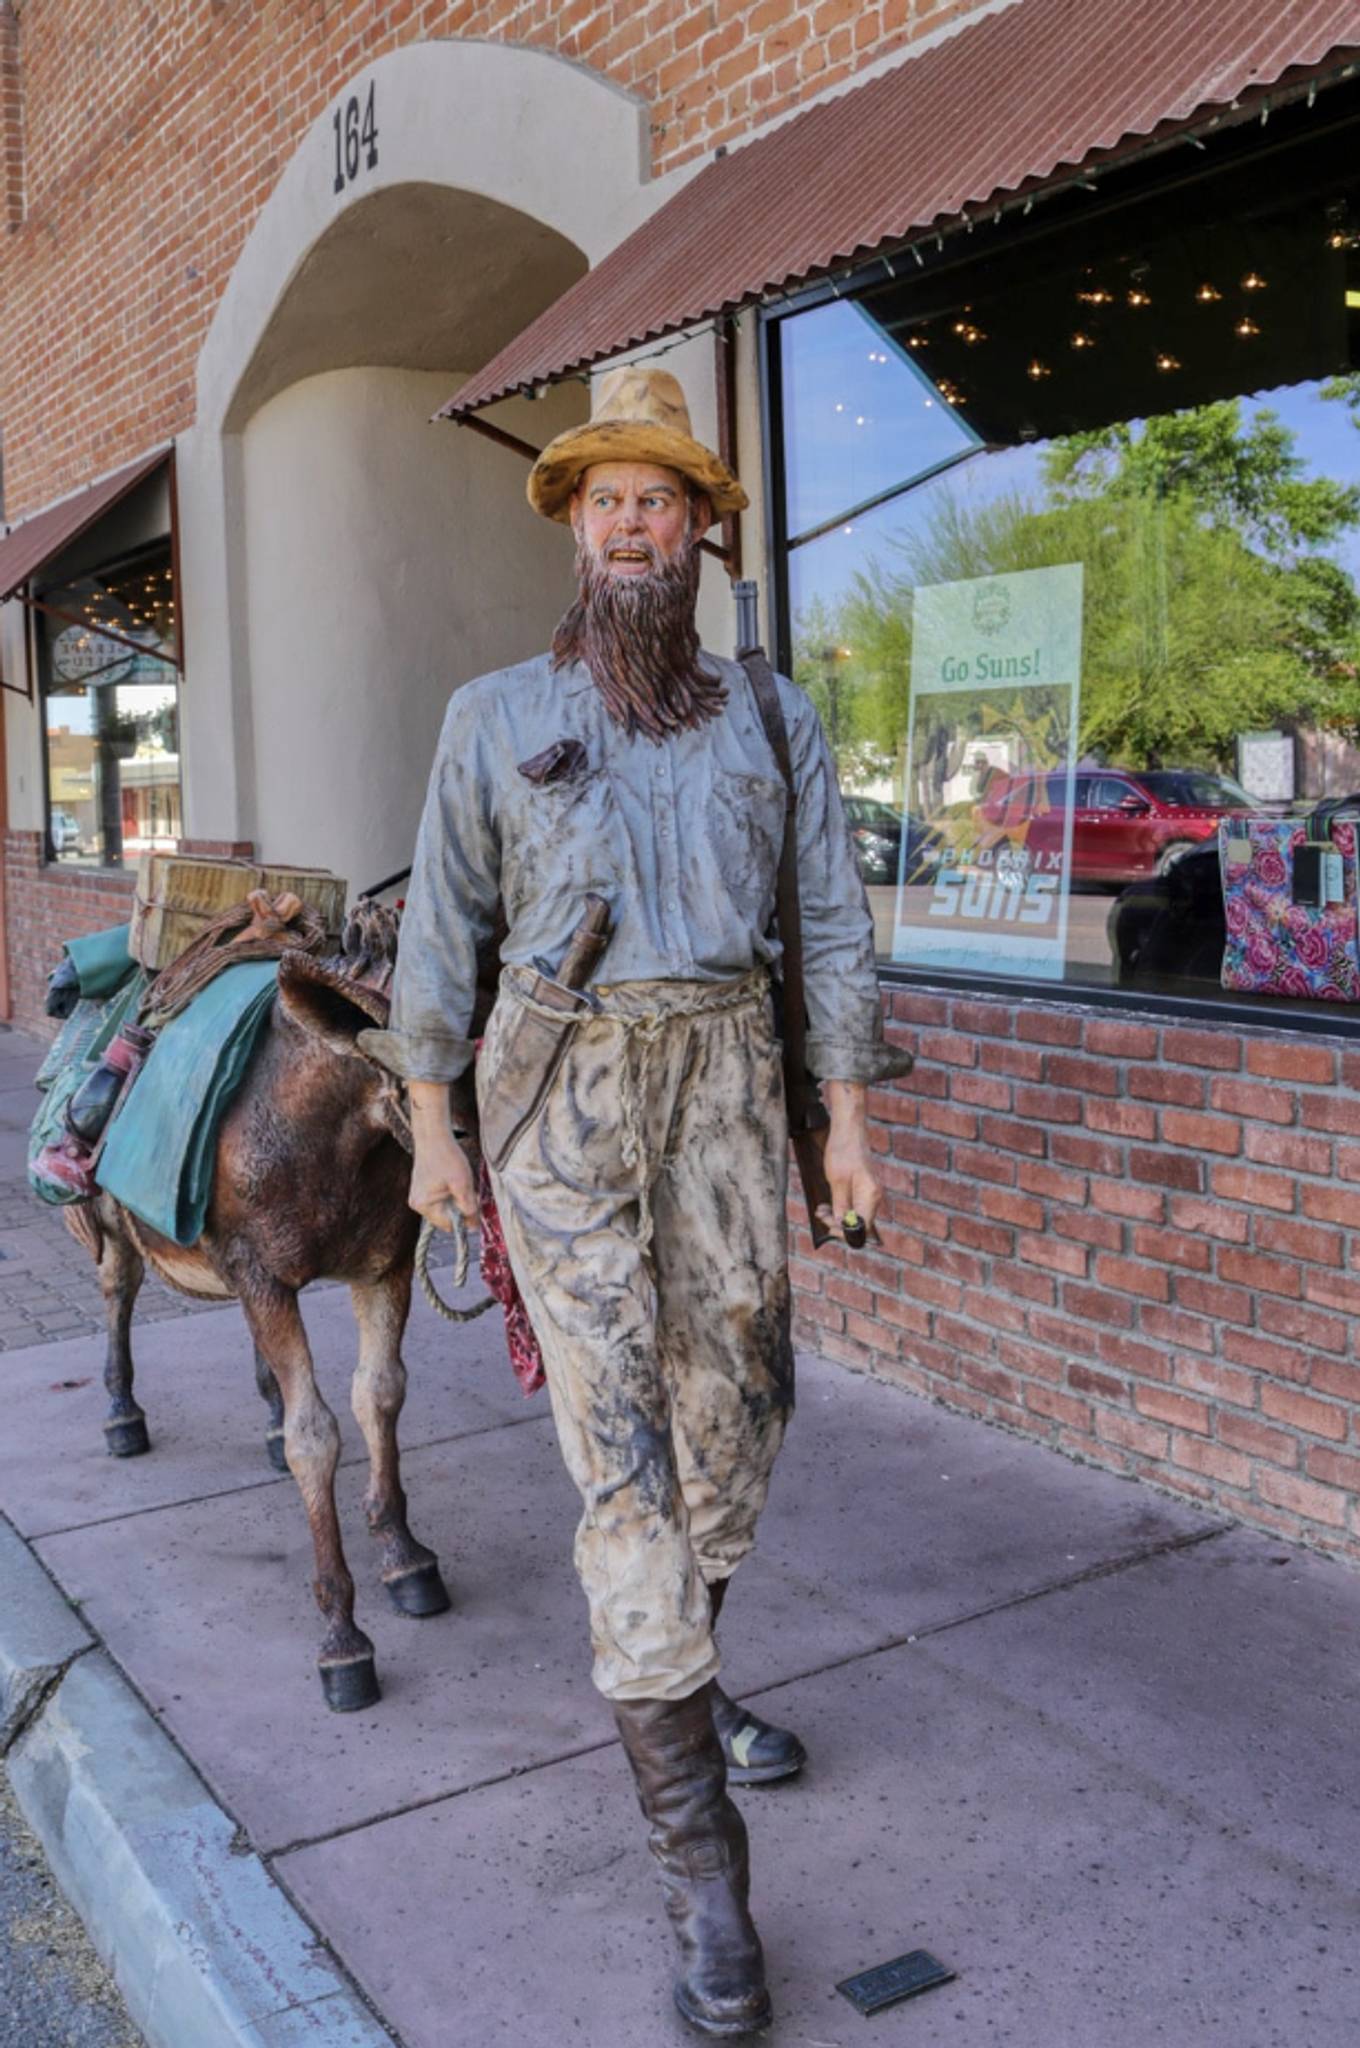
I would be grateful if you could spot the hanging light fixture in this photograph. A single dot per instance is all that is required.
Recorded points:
(1095, 295)
(1166, 361)
(1246, 329)
(1036, 370)
(1341, 232)
(1253, 282)
(1207, 294)
(1081, 339)
(1138, 297)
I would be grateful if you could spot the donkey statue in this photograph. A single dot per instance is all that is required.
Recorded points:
(310, 1183)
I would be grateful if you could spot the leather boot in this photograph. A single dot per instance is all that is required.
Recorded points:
(699, 1839)
(757, 1751)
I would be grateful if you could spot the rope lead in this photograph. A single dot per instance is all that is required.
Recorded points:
(460, 1271)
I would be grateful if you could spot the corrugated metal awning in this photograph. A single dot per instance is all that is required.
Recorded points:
(30, 546)
(1010, 101)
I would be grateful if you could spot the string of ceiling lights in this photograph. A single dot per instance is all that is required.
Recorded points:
(144, 600)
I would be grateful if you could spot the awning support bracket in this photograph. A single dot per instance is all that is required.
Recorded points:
(38, 604)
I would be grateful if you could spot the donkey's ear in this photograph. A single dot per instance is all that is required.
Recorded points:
(328, 1006)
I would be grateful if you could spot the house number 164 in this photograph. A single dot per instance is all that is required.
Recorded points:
(356, 139)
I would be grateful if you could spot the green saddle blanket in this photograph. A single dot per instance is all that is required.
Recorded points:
(161, 1149)
(102, 961)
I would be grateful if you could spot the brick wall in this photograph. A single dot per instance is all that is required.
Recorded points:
(11, 122)
(1131, 1240)
(153, 135)
(44, 906)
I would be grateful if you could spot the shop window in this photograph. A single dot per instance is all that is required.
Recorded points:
(1069, 554)
(108, 649)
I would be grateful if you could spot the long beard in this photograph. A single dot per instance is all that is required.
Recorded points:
(637, 637)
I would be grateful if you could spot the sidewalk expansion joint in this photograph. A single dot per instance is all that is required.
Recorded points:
(356, 1827)
(1107, 1568)
(269, 1479)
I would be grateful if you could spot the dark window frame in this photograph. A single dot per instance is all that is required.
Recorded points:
(1156, 177)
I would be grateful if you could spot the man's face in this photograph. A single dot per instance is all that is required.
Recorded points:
(632, 516)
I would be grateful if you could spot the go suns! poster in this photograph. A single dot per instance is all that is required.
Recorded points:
(991, 745)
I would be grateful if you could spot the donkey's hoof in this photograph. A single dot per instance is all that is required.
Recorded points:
(273, 1444)
(350, 1685)
(419, 1592)
(125, 1436)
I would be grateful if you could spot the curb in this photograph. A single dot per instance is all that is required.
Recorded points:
(40, 1634)
(204, 1945)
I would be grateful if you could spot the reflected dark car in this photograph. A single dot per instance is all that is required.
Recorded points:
(1126, 824)
(876, 830)
(1172, 927)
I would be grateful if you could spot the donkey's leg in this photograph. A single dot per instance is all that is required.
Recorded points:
(311, 1441)
(410, 1572)
(120, 1280)
(269, 1391)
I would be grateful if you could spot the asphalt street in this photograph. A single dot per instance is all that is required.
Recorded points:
(54, 1991)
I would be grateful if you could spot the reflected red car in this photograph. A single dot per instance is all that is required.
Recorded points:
(1126, 824)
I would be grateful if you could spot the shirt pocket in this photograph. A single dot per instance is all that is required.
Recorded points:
(745, 819)
(565, 838)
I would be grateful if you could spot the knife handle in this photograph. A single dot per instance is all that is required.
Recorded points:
(588, 941)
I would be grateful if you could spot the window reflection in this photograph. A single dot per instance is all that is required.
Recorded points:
(862, 414)
(112, 713)
(1164, 436)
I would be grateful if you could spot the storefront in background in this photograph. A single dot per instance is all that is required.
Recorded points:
(1067, 540)
(99, 639)
(1066, 544)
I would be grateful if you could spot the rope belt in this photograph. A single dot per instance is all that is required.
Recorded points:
(641, 1010)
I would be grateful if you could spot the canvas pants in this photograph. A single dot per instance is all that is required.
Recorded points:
(644, 1217)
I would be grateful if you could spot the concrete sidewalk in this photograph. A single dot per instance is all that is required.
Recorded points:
(1092, 1749)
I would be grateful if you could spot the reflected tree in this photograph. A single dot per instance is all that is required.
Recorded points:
(1212, 603)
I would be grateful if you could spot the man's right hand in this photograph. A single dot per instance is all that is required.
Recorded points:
(441, 1174)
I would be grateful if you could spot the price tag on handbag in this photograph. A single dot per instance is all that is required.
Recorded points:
(1334, 878)
(1308, 882)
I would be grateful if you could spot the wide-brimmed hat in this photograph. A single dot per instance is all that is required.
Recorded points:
(640, 416)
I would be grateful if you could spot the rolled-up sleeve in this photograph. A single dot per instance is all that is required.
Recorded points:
(450, 911)
(840, 978)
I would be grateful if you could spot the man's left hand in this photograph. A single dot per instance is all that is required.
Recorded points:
(855, 1187)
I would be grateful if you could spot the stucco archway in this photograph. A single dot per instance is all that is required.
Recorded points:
(344, 563)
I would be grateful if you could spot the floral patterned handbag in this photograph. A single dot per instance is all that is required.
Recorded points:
(1277, 944)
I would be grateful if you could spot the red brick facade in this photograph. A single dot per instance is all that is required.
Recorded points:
(1133, 1240)
(46, 905)
(11, 124)
(144, 142)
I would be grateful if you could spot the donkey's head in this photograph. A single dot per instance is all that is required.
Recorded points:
(338, 996)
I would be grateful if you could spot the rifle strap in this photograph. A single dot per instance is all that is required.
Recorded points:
(804, 1103)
